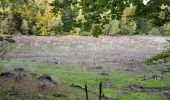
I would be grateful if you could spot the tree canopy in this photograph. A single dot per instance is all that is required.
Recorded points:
(98, 12)
(94, 16)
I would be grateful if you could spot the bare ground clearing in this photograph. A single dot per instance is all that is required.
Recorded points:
(119, 52)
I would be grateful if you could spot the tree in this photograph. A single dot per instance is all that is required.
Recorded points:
(93, 15)
(32, 17)
(91, 9)
(152, 11)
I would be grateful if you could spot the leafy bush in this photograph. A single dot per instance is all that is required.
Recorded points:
(76, 31)
(154, 31)
(6, 24)
(30, 17)
(56, 17)
(24, 26)
(166, 29)
(5, 46)
(127, 26)
(112, 28)
(129, 11)
(84, 33)
(159, 58)
(96, 30)
(143, 25)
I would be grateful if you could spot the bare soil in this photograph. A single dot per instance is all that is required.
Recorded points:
(120, 52)
(27, 88)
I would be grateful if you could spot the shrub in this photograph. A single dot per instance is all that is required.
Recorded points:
(166, 29)
(84, 33)
(35, 17)
(154, 31)
(5, 46)
(159, 58)
(76, 31)
(96, 30)
(143, 25)
(127, 26)
(129, 11)
(6, 25)
(112, 28)
(24, 26)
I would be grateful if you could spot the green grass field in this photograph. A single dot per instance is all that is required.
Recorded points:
(67, 75)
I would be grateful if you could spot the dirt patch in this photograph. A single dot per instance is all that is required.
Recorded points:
(46, 83)
(137, 88)
(107, 84)
(19, 69)
(46, 80)
(34, 86)
(7, 75)
(27, 88)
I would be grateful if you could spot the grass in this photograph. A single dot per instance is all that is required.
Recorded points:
(67, 75)
(132, 95)
(71, 75)
(139, 96)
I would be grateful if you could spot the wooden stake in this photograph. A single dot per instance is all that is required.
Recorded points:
(86, 92)
(100, 91)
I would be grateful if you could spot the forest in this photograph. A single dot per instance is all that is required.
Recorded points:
(83, 17)
(84, 50)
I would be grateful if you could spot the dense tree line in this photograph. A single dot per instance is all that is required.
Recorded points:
(85, 17)
(28, 17)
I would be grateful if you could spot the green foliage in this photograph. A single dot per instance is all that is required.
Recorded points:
(143, 25)
(152, 10)
(6, 44)
(165, 70)
(30, 17)
(6, 25)
(128, 26)
(4, 93)
(129, 11)
(112, 28)
(12, 1)
(84, 16)
(166, 29)
(68, 75)
(88, 15)
(154, 31)
(76, 31)
(159, 58)
(96, 30)
(25, 27)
